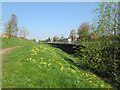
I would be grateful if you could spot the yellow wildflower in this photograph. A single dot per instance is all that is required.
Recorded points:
(49, 64)
(102, 85)
(73, 70)
(30, 58)
(60, 63)
(94, 75)
(62, 68)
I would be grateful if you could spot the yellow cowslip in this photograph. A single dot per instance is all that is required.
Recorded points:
(61, 68)
(43, 63)
(59, 63)
(49, 64)
(30, 58)
(94, 75)
(73, 70)
(102, 85)
(41, 58)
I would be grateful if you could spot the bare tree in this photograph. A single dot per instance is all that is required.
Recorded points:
(11, 26)
(73, 34)
(24, 31)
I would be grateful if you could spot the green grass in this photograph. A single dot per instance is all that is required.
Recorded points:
(42, 66)
(11, 42)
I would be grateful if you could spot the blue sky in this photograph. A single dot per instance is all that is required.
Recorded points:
(48, 19)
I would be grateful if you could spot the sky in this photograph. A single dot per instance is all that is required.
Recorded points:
(49, 19)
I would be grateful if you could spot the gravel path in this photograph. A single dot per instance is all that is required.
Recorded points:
(7, 49)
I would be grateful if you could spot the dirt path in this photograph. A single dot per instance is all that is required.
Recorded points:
(7, 49)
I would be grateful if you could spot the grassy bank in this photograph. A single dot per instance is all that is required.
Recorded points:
(42, 66)
(6, 42)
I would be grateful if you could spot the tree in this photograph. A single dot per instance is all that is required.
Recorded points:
(73, 34)
(23, 32)
(83, 30)
(106, 22)
(34, 40)
(11, 26)
(119, 17)
(55, 38)
(62, 37)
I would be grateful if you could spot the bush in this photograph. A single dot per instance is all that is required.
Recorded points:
(102, 57)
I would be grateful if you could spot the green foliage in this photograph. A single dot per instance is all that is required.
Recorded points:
(101, 55)
(83, 31)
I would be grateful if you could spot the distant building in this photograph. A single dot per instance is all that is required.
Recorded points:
(20, 38)
(4, 35)
(94, 36)
(71, 37)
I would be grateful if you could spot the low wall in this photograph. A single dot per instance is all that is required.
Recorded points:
(68, 48)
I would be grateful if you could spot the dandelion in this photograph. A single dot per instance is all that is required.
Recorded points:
(94, 75)
(73, 70)
(102, 85)
(30, 58)
(45, 63)
(62, 68)
(27, 59)
(78, 81)
(90, 81)
(60, 63)
(49, 64)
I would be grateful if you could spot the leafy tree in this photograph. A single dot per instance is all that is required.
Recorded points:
(106, 21)
(34, 40)
(102, 55)
(55, 38)
(62, 37)
(83, 30)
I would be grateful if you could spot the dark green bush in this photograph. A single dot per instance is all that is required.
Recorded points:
(102, 56)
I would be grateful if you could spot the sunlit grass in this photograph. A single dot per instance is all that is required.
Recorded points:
(42, 66)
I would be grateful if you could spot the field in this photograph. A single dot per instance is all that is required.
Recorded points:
(41, 66)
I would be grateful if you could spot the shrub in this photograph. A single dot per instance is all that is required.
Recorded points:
(102, 57)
